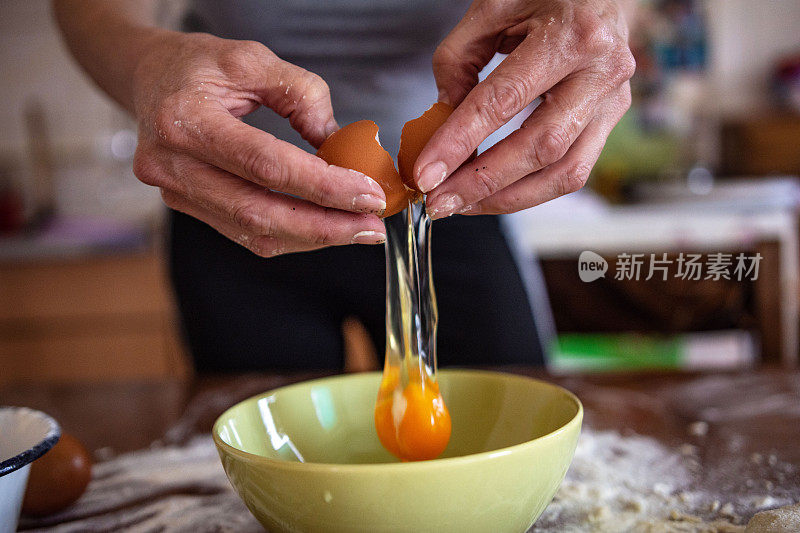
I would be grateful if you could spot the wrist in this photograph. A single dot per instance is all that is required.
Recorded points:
(107, 42)
(154, 49)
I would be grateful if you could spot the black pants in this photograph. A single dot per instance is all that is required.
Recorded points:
(243, 313)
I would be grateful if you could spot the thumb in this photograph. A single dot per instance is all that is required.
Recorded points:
(305, 99)
(461, 55)
(292, 92)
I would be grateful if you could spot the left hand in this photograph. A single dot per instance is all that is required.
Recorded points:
(573, 53)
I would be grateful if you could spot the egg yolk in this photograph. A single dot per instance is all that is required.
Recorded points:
(412, 421)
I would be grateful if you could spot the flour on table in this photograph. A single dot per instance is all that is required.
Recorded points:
(635, 484)
(179, 489)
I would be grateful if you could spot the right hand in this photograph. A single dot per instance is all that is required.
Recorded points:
(189, 92)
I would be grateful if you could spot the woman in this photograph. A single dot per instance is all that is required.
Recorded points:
(245, 196)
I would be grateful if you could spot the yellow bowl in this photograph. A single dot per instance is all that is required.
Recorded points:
(306, 457)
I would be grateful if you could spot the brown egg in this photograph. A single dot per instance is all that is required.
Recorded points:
(416, 134)
(356, 146)
(58, 478)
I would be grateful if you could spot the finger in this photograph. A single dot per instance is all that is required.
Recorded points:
(261, 245)
(563, 177)
(544, 138)
(526, 73)
(223, 141)
(258, 211)
(305, 99)
(462, 54)
(293, 92)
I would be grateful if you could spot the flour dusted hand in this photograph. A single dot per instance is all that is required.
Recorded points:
(189, 92)
(574, 54)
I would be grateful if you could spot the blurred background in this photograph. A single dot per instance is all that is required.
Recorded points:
(706, 161)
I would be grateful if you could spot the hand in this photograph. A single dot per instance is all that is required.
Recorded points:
(189, 92)
(574, 53)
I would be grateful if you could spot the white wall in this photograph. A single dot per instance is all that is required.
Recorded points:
(35, 64)
(745, 39)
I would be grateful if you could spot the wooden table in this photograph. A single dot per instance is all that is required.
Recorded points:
(738, 425)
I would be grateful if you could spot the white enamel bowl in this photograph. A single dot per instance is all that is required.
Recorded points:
(25, 435)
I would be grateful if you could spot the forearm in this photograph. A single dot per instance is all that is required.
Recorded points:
(107, 37)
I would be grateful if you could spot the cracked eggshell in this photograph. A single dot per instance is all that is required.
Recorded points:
(416, 134)
(356, 146)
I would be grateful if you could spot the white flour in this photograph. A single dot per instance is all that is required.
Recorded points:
(633, 483)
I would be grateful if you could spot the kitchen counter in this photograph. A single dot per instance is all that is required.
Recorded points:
(733, 436)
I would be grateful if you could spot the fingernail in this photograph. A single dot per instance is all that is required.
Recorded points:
(446, 206)
(431, 176)
(443, 98)
(369, 203)
(331, 127)
(374, 187)
(369, 237)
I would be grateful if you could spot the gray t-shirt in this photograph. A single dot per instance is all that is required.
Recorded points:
(374, 54)
(376, 57)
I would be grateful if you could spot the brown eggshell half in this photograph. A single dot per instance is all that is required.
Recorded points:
(355, 146)
(416, 134)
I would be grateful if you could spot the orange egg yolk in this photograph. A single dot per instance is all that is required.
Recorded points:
(412, 421)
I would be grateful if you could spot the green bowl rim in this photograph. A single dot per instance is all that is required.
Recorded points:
(432, 463)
